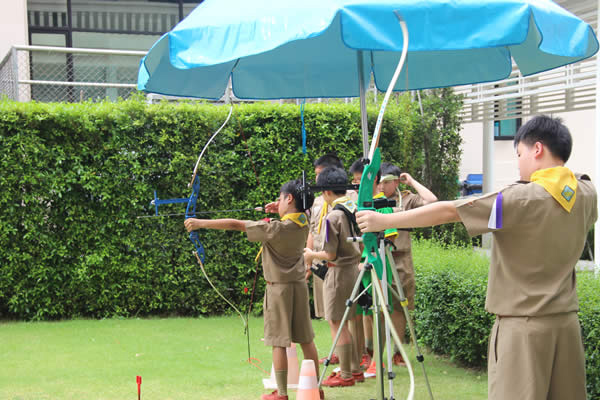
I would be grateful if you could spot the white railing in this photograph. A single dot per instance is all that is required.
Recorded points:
(569, 88)
(68, 74)
(71, 74)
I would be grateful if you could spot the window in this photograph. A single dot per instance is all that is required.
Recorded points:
(505, 128)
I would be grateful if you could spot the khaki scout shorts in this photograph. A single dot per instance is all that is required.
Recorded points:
(287, 314)
(532, 358)
(406, 273)
(339, 283)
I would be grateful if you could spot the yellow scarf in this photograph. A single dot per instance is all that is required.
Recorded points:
(560, 182)
(346, 202)
(322, 215)
(299, 218)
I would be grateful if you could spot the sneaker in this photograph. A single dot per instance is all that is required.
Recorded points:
(398, 360)
(273, 396)
(334, 360)
(358, 376)
(365, 362)
(321, 394)
(371, 372)
(336, 380)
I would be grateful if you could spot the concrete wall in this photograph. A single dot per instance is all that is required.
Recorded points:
(580, 123)
(13, 25)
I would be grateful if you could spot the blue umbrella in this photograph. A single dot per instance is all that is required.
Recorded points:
(275, 49)
(272, 49)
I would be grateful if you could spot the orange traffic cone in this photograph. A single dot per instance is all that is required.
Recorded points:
(308, 388)
(292, 381)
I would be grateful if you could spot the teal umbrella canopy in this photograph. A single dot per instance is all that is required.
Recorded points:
(274, 49)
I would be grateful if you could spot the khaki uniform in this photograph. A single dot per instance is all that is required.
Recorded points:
(403, 252)
(343, 271)
(317, 283)
(286, 305)
(535, 349)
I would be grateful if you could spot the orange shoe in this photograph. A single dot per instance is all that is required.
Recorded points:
(398, 360)
(371, 372)
(365, 362)
(336, 380)
(273, 396)
(358, 377)
(334, 360)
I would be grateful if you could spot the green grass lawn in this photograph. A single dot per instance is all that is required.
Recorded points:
(178, 358)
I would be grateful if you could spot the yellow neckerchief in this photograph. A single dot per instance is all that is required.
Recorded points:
(299, 218)
(322, 215)
(346, 202)
(560, 182)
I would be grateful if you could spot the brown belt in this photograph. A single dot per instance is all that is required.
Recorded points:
(399, 253)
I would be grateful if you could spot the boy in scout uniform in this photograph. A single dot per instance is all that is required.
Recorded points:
(286, 306)
(343, 258)
(539, 226)
(318, 214)
(391, 178)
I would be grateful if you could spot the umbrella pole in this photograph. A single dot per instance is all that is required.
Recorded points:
(363, 102)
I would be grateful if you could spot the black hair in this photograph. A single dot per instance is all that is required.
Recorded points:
(550, 131)
(333, 176)
(359, 166)
(390, 169)
(328, 160)
(295, 189)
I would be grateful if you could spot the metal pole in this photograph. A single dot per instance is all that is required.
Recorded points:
(377, 337)
(15, 73)
(388, 341)
(363, 102)
(488, 167)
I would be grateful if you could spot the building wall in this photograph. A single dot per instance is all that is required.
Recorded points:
(581, 124)
(13, 25)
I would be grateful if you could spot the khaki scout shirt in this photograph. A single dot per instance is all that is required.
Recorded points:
(283, 248)
(534, 252)
(315, 213)
(409, 201)
(337, 229)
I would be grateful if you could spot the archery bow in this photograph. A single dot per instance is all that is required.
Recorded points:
(365, 200)
(190, 212)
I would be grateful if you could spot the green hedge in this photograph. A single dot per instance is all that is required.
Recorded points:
(75, 176)
(450, 315)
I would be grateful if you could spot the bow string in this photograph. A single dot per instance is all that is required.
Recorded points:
(190, 212)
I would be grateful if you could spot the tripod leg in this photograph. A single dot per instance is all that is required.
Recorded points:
(403, 301)
(349, 304)
(380, 297)
(384, 279)
(377, 337)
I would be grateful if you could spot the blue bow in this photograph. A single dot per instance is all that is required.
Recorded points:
(190, 212)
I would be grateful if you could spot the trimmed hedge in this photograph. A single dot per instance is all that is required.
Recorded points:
(75, 176)
(450, 315)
